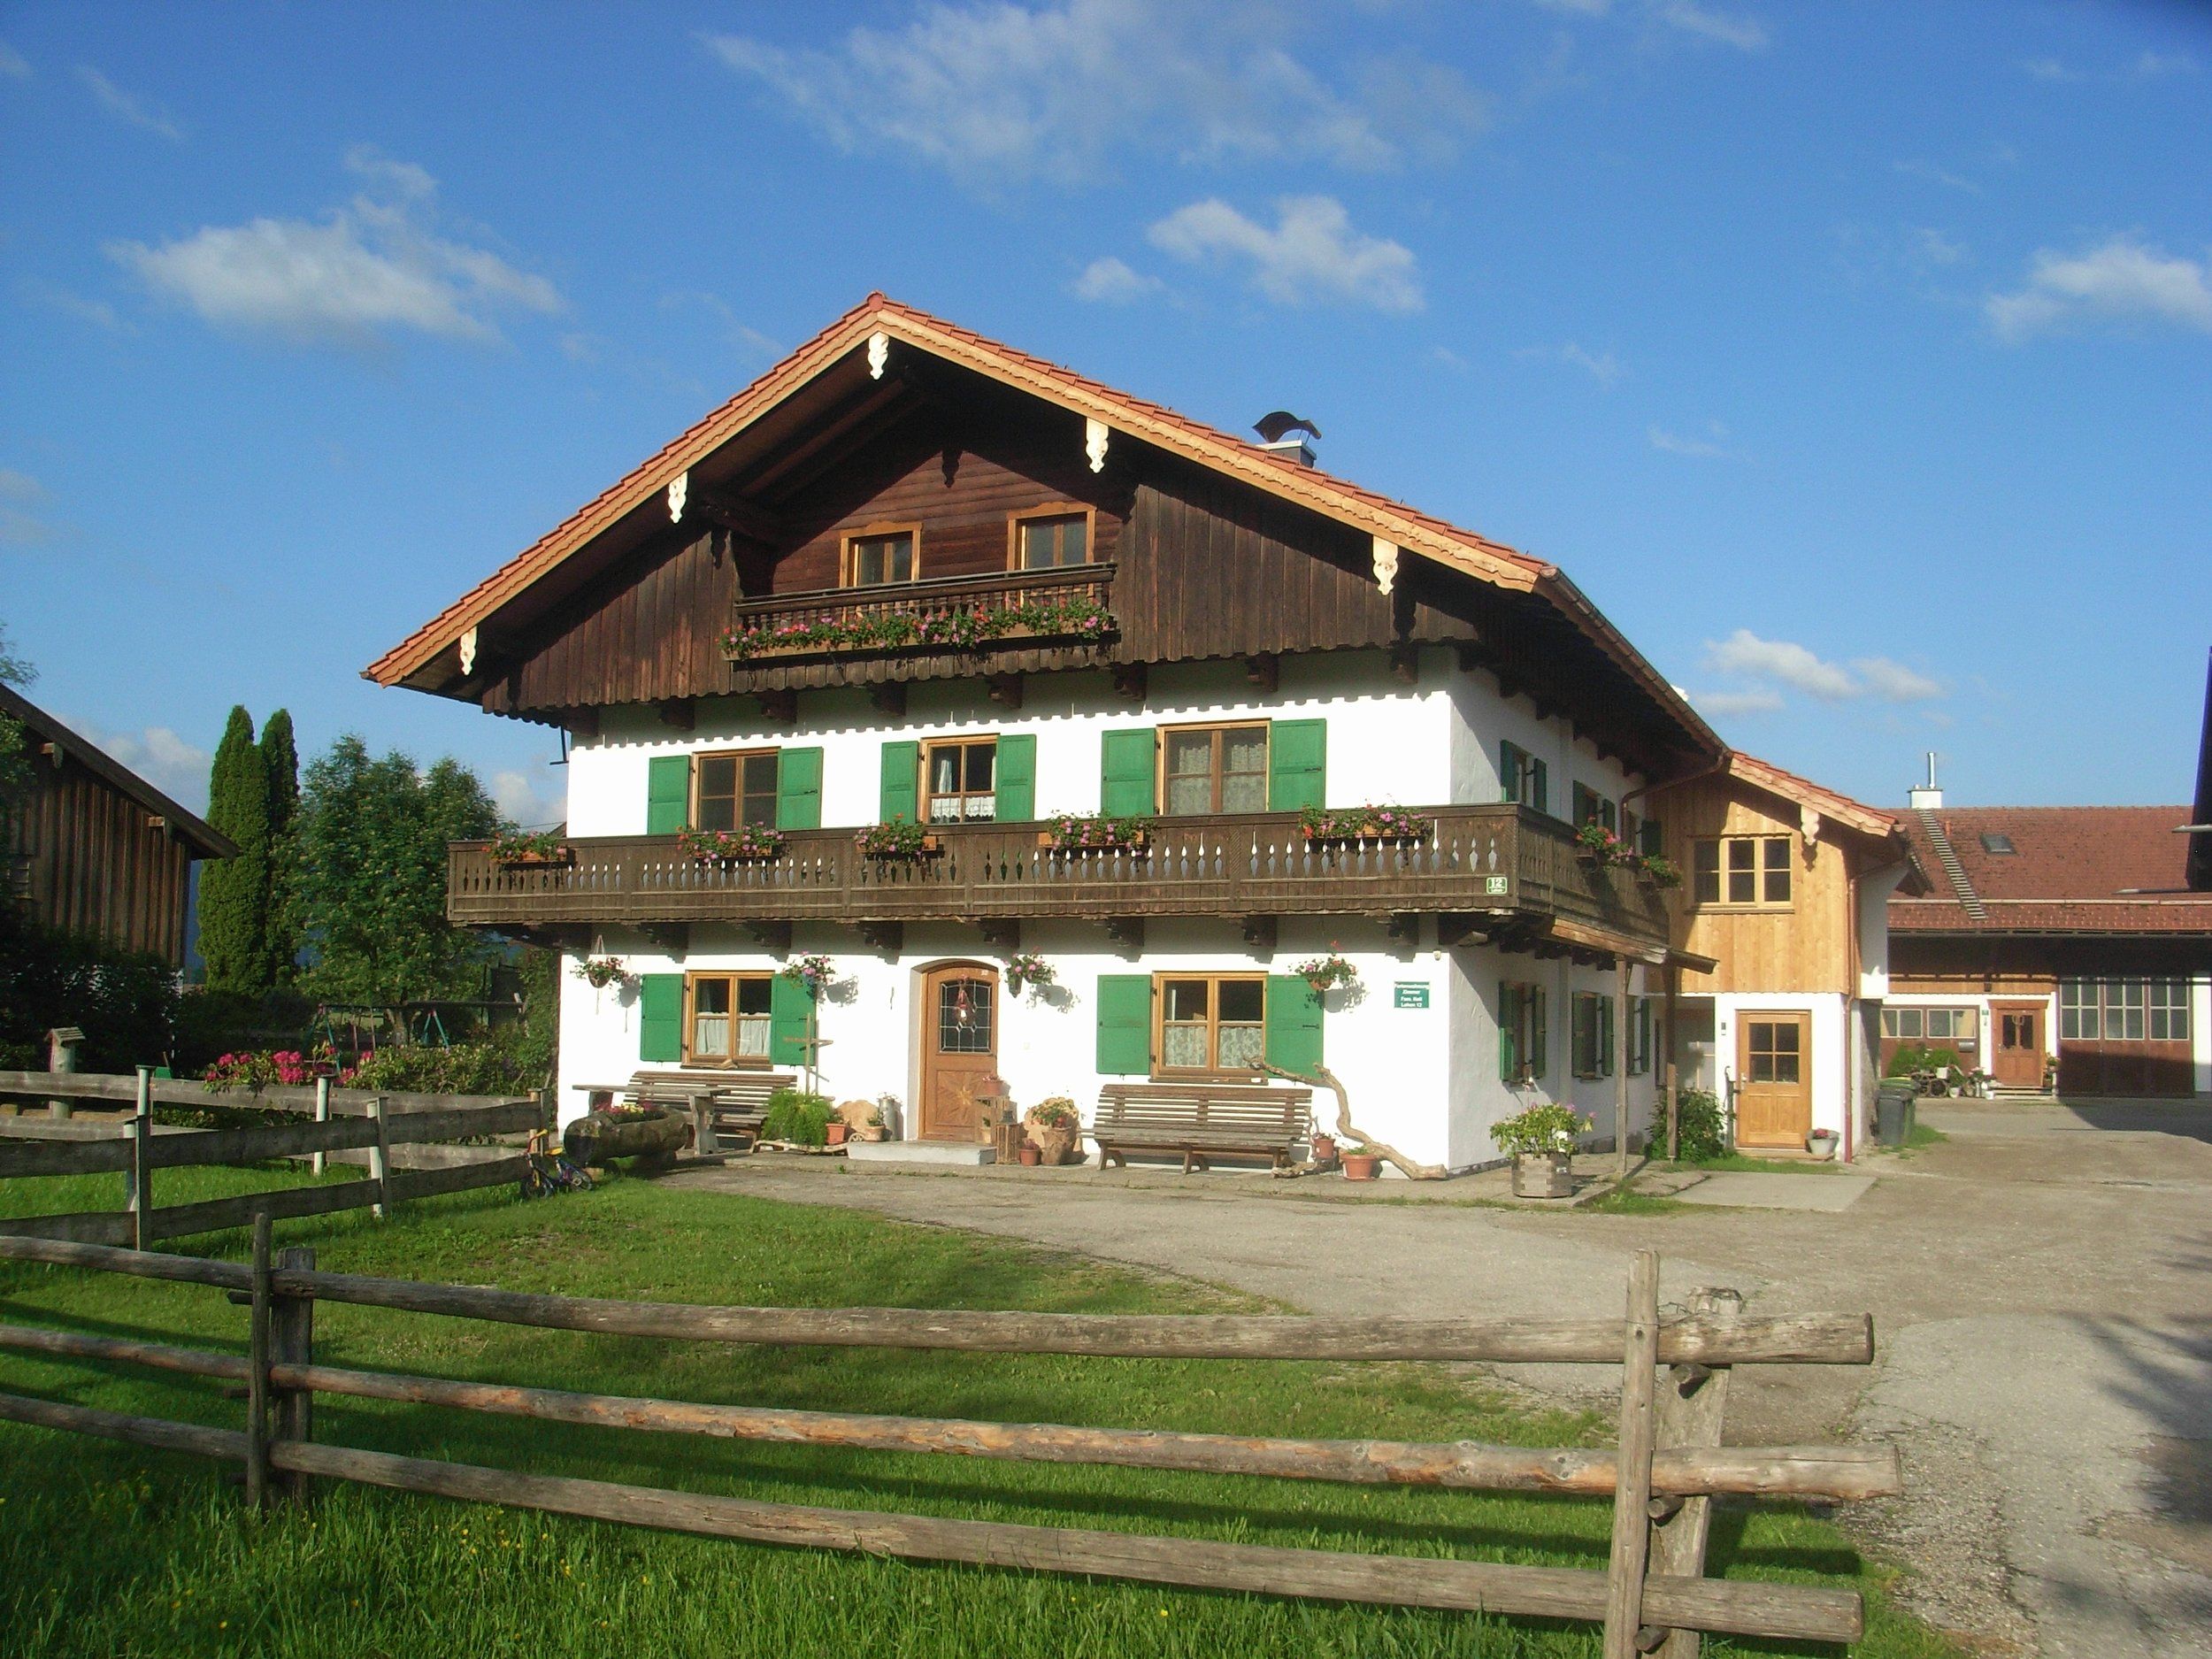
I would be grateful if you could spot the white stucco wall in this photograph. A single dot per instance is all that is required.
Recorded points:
(1830, 1060)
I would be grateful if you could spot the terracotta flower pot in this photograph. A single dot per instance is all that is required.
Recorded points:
(872, 1132)
(1325, 1149)
(1360, 1166)
(836, 1133)
(1030, 1154)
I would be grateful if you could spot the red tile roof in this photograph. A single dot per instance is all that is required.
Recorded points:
(2080, 869)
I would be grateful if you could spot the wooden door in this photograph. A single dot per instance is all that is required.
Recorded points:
(1774, 1079)
(2017, 1044)
(959, 1049)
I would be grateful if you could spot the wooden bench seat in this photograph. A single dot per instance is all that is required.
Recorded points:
(1200, 1120)
(720, 1101)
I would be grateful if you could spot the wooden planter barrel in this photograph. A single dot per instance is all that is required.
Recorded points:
(1543, 1175)
(599, 1136)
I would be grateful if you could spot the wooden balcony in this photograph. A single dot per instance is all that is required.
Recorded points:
(1509, 873)
(1019, 610)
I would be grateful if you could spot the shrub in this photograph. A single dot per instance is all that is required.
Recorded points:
(125, 1002)
(1702, 1133)
(1550, 1127)
(798, 1117)
(1910, 1059)
(497, 1067)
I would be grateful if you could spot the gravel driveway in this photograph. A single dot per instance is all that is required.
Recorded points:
(2043, 1321)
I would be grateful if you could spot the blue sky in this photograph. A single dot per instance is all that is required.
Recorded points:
(1856, 359)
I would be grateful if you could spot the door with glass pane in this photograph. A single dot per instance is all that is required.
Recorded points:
(959, 1049)
(2018, 1048)
(1774, 1079)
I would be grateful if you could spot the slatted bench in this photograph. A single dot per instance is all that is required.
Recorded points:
(1200, 1120)
(735, 1101)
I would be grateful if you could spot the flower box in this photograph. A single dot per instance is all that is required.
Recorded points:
(752, 845)
(1360, 839)
(559, 857)
(1137, 844)
(1369, 826)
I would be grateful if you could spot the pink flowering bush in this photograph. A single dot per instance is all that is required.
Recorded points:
(254, 1071)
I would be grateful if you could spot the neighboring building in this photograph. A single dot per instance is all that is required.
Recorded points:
(99, 851)
(969, 587)
(1785, 885)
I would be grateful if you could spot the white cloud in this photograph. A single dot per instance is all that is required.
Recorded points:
(375, 266)
(1702, 448)
(128, 107)
(2051, 69)
(1745, 33)
(18, 526)
(16, 486)
(748, 340)
(173, 765)
(1601, 366)
(1001, 93)
(520, 800)
(1761, 701)
(1744, 652)
(1311, 253)
(2156, 65)
(1893, 682)
(1110, 281)
(99, 313)
(1934, 174)
(2120, 280)
(13, 64)
(1935, 248)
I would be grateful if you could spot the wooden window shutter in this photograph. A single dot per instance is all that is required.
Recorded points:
(1124, 1024)
(1651, 841)
(1508, 771)
(1606, 1059)
(1297, 765)
(660, 1017)
(1509, 1033)
(1293, 1023)
(667, 794)
(1125, 760)
(1539, 1032)
(1542, 792)
(901, 796)
(789, 1005)
(1017, 778)
(799, 789)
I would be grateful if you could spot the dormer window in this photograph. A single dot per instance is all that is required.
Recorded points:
(880, 555)
(1052, 539)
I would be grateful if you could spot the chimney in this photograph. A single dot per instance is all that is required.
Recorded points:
(1926, 797)
(1284, 433)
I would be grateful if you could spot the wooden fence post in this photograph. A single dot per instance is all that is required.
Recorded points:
(61, 1056)
(142, 1196)
(1632, 1483)
(292, 1342)
(380, 1163)
(257, 1370)
(1619, 1058)
(1692, 1399)
(321, 1160)
(702, 1142)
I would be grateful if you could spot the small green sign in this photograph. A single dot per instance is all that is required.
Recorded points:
(1493, 884)
(1410, 995)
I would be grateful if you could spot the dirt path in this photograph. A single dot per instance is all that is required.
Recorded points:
(2042, 1308)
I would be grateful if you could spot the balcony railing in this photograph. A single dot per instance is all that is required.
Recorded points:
(1503, 860)
(997, 611)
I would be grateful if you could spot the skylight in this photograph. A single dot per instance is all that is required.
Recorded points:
(1995, 843)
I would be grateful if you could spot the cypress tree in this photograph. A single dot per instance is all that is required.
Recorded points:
(281, 758)
(235, 892)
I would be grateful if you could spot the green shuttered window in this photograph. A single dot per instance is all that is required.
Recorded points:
(1297, 764)
(1017, 778)
(799, 789)
(1525, 778)
(1125, 772)
(900, 797)
(788, 1007)
(1293, 1023)
(667, 794)
(1124, 1024)
(660, 1005)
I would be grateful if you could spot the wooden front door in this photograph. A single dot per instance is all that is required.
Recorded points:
(959, 1049)
(2017, 1044)
(1774, 1079)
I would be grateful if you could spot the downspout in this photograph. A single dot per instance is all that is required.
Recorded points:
(1853, 1028)
(1672, 783)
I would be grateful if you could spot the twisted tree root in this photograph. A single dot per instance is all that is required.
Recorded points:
(1350, 1130)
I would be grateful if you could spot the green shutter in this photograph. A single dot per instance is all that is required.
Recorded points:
(1539, 1030)
(1016, 778)
(788, 1007)
(799, 788)
(660, 1017)
(901, 783)
(1542, 792)
(1297, 763)
(1125, 772)
(1124, 1024)
(1652, 841)
(1509, 1033)
(667, 794)
(1607, 1057)
(1293, 1023)
(1509, 759)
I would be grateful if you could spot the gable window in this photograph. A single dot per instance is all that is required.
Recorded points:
(959, 780)
(1590, 807)
(729, 791)
(1522, 1016)
(1592, 1035)
(1741, 869)
(728, 1018)
(1211, 1023)
(1213, 769)
(1526, 780)
(876, 557)
(1050, 541)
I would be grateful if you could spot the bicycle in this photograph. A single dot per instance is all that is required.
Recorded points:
(546, 1171)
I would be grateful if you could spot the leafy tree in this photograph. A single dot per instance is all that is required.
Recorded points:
(15, 749)
(124, 1001)
(371, 874)
(235, 892)
(281, 758)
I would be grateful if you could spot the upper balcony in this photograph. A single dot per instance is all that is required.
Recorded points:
(1511, 873)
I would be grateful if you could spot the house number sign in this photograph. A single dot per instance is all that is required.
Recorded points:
(1409, 996)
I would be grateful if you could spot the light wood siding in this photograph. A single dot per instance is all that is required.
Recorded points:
(88, 859)
(1806, 947)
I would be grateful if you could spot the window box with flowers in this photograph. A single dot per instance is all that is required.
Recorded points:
(1596, 844)
(1367, 825)
(1324, 973)
(1657, 871)
(966, 628)
(898, 838)
(515, 850)
(1095, 833)
(749, 844)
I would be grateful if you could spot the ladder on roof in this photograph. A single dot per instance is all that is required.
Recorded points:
(1941, 840)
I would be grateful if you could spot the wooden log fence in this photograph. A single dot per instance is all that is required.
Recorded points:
(1652, 1594)
(137, 1153)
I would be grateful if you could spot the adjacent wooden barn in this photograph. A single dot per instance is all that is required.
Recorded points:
(96, 849)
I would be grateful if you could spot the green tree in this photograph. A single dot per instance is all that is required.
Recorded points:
(235, 892)
(15, 749)
(281, 758)
(371, 874)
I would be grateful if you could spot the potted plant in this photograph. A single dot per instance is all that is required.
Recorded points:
(1359, 1163)
(516, 848)
(1030, 1154)
(873, 1129)
(1821, 1143)
(748, 844)
(1596, 844)
(1323, 972)
(898, 838)
(1056, 1128)
(1368, 826)
(1323, 1149)
(1658, 872)
(813, 973)
(1541, 1142)
(835, 1131)
(1095, 833)
(1026, 970)
(599, 972)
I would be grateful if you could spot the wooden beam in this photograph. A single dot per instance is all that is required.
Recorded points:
(1405, 663)
(1127, 930)
(1259, 934)
(1005, 689)
(1264, 671)
(581, 722)
(782, 466)
(678, 713)
(778, 708)
(771, 935)
(673, 937)
(889, 936)
(1130, 681)
(1001, 930)
(747, 519)
(888, 697)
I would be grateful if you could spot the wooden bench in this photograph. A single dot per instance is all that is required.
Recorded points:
(736, 1102)
(1199, 1120)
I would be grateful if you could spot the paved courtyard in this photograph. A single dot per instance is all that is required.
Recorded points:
(2042, 1313)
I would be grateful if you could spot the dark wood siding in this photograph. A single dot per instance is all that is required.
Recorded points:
(89, 859)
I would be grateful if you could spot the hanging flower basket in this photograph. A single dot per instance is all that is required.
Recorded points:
(898, 838)
(1325, 972)
(1368, 825)
(514, 850)
(1095, 833)
(1027, 969)
(752, 844)
(813, 973)
(599, 972)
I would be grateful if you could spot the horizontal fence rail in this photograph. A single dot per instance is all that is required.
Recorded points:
(1500, 860)
(121, 1089)
(1646, 1599)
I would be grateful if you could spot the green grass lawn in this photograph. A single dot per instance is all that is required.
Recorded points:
(114, 1550)
(70, 1194)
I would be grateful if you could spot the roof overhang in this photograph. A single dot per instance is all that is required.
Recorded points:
(205, 841)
